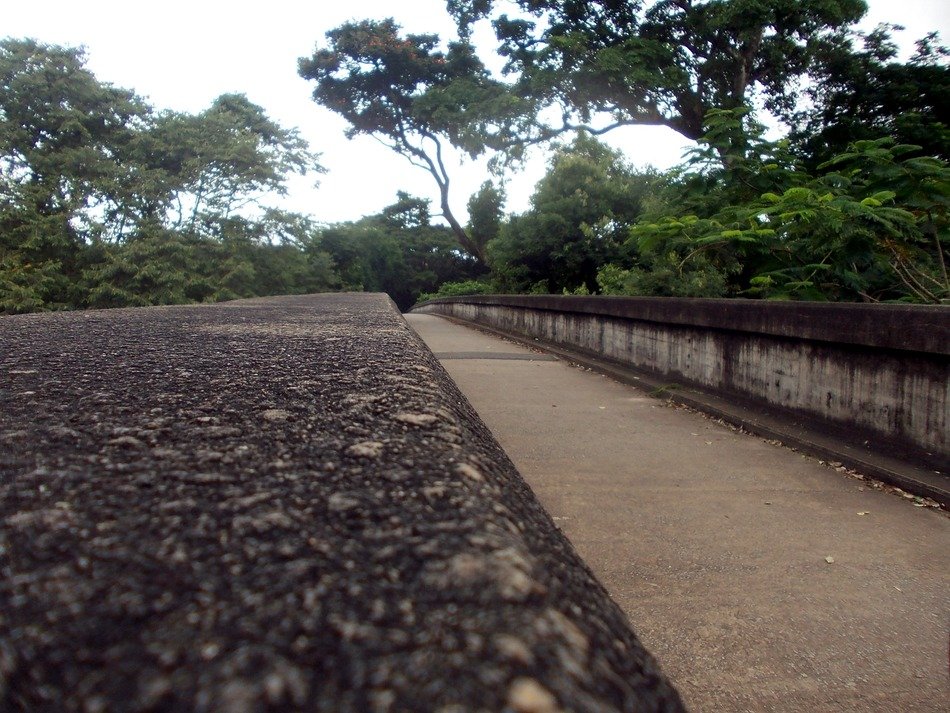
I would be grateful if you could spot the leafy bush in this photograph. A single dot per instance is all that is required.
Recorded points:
(871, 225)
(458, 289)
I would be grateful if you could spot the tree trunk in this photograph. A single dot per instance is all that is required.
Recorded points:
(465, 241)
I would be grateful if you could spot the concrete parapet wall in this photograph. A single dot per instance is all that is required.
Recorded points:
(280, 504)
(875, 370)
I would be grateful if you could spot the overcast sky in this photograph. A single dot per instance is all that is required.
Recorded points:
(182, 54)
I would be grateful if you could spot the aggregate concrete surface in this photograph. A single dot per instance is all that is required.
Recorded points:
(279, 504)
(762, 579)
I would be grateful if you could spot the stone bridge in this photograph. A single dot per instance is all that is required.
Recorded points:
(289, 504)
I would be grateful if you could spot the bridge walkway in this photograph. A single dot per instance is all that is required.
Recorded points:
(761, 579)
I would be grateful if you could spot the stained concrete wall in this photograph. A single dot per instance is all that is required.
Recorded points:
(875, 371)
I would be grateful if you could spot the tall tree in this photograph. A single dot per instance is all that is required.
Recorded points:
(225, 158)
(63, 138)
(412, 96)
(862, 92)
(663, 63)
(485, 213)
(579, 216)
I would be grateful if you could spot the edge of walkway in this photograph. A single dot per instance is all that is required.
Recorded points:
(789, 431)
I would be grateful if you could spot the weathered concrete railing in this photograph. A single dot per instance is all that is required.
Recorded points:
(279, 504)
(878, 372)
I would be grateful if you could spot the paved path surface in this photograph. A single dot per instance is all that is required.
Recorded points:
(717, 544)
(279, 505)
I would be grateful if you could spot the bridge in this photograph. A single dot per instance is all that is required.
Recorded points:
(288, 504)
(761, 578)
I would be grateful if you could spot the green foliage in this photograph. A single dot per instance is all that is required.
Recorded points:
(872, 225)
(412, 96)
(485, 213)
(579, 215)
(744, 216)
(25, 287)
(151, 269)
(865, 93)
(397, 251)
(105, 203)
(458, 289)
(62, 135)
(659, 63)
(663, 274)
(219, 161)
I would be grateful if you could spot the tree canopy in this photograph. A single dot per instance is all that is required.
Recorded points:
(663, 63)
(106, 202)
(863, 92)
(224, 159)
(580, 214)
(412, 96)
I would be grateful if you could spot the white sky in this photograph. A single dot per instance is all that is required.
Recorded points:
(182, 54)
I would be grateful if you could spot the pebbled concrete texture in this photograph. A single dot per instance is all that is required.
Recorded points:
(279, 504)
(716, 542)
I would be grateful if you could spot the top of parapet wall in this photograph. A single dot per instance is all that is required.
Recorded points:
(279, 504)
(921, 328)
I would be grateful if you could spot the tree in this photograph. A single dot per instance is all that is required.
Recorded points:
(864, 94)
(411, 96)
(153, 268)
(224, 159)
(579, 216)
(63, 139)
(485, 213)
(289, 257)
(104, 202)
(871, 224)
(663, 63)
(397, 251)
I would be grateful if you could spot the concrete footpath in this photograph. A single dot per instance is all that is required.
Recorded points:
(761, 579)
